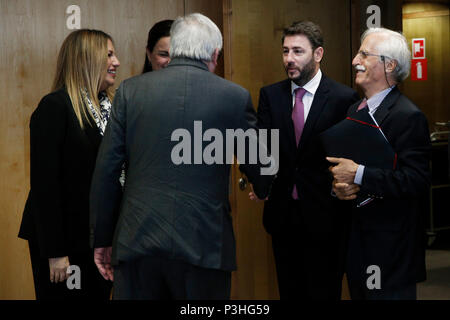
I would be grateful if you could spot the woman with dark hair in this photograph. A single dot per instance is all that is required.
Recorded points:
(65, 133)
(158, 44)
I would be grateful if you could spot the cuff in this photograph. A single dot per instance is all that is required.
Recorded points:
(359, 175)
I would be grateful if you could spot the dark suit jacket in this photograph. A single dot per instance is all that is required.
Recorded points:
(304, 165)
(388, 232)
(173, 211)
(62, 160)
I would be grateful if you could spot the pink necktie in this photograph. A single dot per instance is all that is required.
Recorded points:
(298, 117)
(362, 105)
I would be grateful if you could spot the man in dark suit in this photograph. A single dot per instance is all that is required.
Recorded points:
(387, 249)
(305, 221)
(174, 236)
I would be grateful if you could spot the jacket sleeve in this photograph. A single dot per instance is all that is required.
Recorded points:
(264, 116)
(106, 191)
(260, 174)
(411, 176)
(48, 126)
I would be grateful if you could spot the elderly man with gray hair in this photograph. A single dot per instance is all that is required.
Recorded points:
(170, 235)
(386, 255)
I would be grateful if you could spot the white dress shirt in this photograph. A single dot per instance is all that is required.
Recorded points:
(311, 88)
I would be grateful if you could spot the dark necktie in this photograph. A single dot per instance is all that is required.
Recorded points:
(298, 117)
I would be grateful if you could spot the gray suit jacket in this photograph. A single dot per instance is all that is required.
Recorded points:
(174, 211)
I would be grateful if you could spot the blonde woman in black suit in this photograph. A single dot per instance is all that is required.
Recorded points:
(65, 132)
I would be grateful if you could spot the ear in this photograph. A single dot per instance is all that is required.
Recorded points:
(148, 54)
(391, 65)
(318, 54)
(215, 56)
(213, 63)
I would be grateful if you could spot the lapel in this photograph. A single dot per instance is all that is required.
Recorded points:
(90, 133)
(353, 107)
(319, 102)
(386, 105)
(286, 109)
(93, 135)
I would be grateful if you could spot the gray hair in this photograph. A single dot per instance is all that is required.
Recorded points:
(194, 36)
(394, 47)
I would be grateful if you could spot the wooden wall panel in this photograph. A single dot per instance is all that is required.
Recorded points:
(430, 21)
(31, 34)
(253, 60)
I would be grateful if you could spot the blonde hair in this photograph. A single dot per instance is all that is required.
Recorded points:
(81, 67)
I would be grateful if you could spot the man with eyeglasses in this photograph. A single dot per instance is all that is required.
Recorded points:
(386, 255)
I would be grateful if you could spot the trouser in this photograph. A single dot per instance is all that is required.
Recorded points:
(155, 278)
(309, 263)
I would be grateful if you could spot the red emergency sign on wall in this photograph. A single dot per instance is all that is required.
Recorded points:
(418, 48)
(419, 62)
(419, 69)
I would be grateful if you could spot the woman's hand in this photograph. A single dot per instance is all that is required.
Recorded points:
(58, 269)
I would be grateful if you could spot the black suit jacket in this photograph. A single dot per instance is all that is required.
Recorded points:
(388, 232)
(304, 165)
(62, 160)
(173, 210)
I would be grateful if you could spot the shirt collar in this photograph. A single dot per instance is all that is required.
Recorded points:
(312, 84)
(374, 101)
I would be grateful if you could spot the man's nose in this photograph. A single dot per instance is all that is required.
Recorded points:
(356, 60)
(289, 57)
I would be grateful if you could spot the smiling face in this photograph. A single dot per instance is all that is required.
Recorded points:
(112, 65)
(159, 57)
(300, 61)
(370, 76)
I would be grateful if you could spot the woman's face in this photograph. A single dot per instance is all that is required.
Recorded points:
(113, 64)
(159, 57)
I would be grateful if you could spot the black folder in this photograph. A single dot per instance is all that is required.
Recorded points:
(359, 138)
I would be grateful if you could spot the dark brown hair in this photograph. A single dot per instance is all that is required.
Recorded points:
(307, 28)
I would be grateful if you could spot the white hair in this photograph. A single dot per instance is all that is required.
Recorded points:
(394, 47)
(194, 36)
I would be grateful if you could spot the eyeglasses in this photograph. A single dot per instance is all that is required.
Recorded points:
(365, 54)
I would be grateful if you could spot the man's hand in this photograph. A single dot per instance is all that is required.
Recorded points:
(58, 269)
(344, 171)
(102, 259)
(345, 191)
